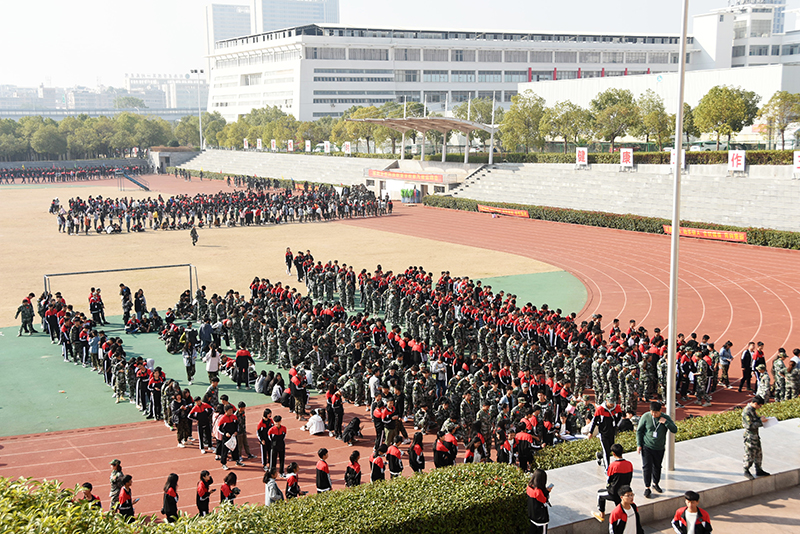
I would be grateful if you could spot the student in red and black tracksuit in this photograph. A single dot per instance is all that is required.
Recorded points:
(243, 362)
(338, 414)
(691, 513)
(154, 386)
(262, 432)
(395, 458)
(204, 492)
(538, 501)
(416, 458)
(170, 506)
(624, 512)
(323, 472)
(352, 475)
(606, 418)
(292, 483)
(228, 427)
(228, 491)
(620, 473)
(377, 420)
(377, 465)
(201, 412)
(142, 380)
(126, 500)
(277, 440)
(523, 445)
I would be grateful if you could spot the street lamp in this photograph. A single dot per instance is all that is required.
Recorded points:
(199, 112)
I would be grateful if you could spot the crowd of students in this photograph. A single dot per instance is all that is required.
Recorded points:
(50, 175)
(472, 366)
(238, 208)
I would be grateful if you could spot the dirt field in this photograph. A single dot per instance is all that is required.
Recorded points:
(225, 258)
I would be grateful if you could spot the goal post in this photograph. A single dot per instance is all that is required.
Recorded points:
(192, 271)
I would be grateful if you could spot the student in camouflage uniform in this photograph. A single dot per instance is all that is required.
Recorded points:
(763, 389)
(701, 382)
(751, 422)
(779, 375)
(792, 379)
(120, 379)
(25, 310)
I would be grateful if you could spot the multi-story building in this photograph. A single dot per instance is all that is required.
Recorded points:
(321, 70)
(224, 21)
(269, 15)
(175, 90)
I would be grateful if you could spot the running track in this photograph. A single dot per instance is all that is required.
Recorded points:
(730, 291)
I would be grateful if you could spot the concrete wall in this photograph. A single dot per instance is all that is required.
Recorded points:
(170, 159)
(71, 163)
(766, 196)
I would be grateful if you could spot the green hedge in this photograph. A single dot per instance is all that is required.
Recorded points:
(652, 225)
(580, 451)
(469, 499)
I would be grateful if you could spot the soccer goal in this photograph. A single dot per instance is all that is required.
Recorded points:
(167, 284)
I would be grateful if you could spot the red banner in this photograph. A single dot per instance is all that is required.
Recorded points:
(406, 176)
(504, 211)
(722, 235)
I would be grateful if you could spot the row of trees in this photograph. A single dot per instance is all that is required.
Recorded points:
(528, 125)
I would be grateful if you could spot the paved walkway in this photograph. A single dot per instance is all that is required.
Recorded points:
(770, 513)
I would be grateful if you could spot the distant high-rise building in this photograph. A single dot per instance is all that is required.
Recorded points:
(778, 9)
(269, 15)
(225, 22)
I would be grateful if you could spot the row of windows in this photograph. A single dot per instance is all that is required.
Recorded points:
(761, 50)
(258, 59)
(490, 56)
(481, 76)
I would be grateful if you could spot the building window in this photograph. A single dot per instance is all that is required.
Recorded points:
(759, 50)
(590, 57)
(251, 79)
(508, 95)
(760, 28)
(325, 53)
(776, 50)
(722, 18)
(488, 95)
(567, 74)
(541, 56)
(406, 76)
(659, 57)
(490, 56)
(434, 76)
(566, 57)
(740, 29)
(406, 54)
(490, 76)
(435, 97)
(462, 96)
(462, 76)
(369, 54)
(636, 57)
(514, 76)
(613, 57)
(462, 55)
(541, 75)
(738, 51)
(434, 55)
(516, 56)
(407, 96)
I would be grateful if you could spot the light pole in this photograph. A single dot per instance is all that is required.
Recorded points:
(199, 112)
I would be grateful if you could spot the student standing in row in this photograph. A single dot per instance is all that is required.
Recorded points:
(262, 432)
(323, 472)
(277, 439)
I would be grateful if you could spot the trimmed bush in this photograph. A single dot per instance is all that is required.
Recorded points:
(652, 225)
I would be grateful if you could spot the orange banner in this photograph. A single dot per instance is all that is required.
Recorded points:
(722, 235)
(504, 211)
(406, 176)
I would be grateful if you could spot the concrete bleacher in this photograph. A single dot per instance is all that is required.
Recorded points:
(298, 167)
(711, 466)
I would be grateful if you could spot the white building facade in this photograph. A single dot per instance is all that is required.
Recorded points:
(321, 70)
(269, 15)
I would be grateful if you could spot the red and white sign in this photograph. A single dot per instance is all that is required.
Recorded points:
(626, 157)
(273, 145)
(736, 160)
(581, 155)
(246, 144)
(308, 145)
(290, 145)
(327, 146)
(259, 144)
(673, 158)
(347, 147)
(135, 150)
(796, 160)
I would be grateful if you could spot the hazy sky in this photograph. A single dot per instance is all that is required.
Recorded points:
(83, 42)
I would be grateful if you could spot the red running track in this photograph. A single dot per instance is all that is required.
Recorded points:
(729, 291)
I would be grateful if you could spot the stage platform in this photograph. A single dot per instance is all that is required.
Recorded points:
(711, 466)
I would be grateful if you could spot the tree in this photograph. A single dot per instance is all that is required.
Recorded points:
(128, 102)
(655, 121)
(615, 112)
(213, 123)
(689, 127)
(782, 110)
(722, 111)
(187, 131)
(567, 121)
(151, 132)
(48, 142)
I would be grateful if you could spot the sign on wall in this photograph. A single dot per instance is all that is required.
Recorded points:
(626, 157)
(246, 144)
(347, 147)
(736, 160)
(290, 145)
(259, 144)
(273, 145)
(327, 145)
(308, 145)
(581, 155)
